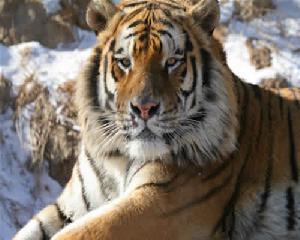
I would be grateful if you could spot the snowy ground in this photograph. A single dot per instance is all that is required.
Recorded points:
(22, 192)
(279, 29)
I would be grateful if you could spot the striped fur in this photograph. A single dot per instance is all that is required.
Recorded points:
(217, 159)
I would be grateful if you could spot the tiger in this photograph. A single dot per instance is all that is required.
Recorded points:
(174, 145)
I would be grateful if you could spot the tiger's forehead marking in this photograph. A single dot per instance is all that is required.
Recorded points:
(149, 29)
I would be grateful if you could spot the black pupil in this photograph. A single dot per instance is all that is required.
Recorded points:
(172, 62)
(125, 62)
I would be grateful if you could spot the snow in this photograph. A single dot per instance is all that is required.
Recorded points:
(23, 192)
(51, 6)
(279, 30)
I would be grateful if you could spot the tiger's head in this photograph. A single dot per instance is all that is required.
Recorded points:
(154, 87)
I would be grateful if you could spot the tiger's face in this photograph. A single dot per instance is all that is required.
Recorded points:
(155, 84)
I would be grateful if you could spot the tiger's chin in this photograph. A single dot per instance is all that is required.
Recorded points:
(148, 149)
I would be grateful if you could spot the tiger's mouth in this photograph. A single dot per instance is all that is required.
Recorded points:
(146, 134)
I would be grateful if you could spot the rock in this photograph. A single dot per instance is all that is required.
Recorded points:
(276, 82)
(5, 94)
(247, 10)
(61, 152)
(73, 11)
(260, 54)
(27, 20)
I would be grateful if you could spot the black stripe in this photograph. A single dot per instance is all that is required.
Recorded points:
(154, 35)
(201, 199)
(129, 17)
(267, 188)
(164, 185)
(110, 96)
(199, 116)
(184, 72)
(97, 172)
(188, 44)
(167, 12)
(83, 194)
(295, 97)
(107, 184)
(120, 50)
(135, 172)
(179, 51)
(257, 91)
(217, 171)
(113, 73)
(193, 102)
(237, 89)
(136, 23)
(168, 138)
(291, 222)
(293, 157)
(134, 4)
(229, 208)
(243, 111)
(165, 23)
(269, 169)
(206, 65)
(144, 30)
(62, 216)
(128, 167)
(261, 120)
(92, 74)
(178, 7)
(103, 120)
(210, 95)
(164, 32)
(143, 37)
(280, 102)
(112, 45)
(186, 93)
(42, 228)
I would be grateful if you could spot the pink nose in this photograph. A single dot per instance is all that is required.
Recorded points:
(145, 111)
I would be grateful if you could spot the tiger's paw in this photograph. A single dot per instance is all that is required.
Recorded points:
(33, 230)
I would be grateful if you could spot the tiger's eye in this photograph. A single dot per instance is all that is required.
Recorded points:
(171, 62)
(125, 62)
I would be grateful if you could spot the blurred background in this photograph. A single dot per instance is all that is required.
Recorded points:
(43, 46)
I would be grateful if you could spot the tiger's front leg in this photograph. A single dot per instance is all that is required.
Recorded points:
(78, 198)
(55, 216)
(185, 207)
(45, 224)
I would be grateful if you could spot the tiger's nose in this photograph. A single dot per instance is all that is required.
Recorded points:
(146, 110)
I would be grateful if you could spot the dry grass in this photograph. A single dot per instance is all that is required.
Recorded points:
(51, 134)
(6, 98)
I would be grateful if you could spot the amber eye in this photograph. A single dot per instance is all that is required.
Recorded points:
(124, 62)
(171, 62)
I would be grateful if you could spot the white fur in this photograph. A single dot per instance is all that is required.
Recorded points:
(147, 150)
(31, 231)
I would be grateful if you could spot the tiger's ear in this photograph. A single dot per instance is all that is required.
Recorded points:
(99, 12)
(206, 13)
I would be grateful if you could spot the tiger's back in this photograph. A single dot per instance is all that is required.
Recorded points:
(268, 191)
